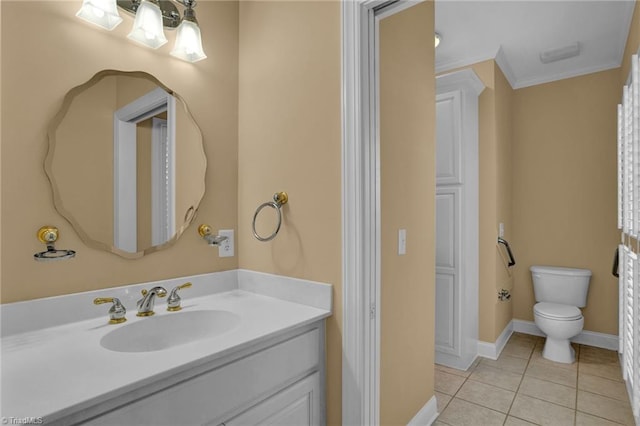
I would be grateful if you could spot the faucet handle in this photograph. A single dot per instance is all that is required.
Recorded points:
(173, 301)
(117, 311)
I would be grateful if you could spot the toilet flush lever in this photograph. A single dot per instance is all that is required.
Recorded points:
(512, 260)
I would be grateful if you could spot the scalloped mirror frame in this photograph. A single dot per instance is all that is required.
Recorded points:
(59, 205)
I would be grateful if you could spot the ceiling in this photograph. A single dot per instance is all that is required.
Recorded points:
(515, 32)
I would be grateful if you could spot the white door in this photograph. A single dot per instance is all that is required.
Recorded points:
(456, 331)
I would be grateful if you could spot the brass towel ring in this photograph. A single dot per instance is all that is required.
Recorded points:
(279, 199)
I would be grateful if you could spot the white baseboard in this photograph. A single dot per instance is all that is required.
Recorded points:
(493, 350)
(427, 414)
(589, 338)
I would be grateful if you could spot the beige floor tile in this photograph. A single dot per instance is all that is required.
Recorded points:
(592, 353)
(507, 362)
(584, 419)
(608, 370)
(520, 349)
(521, 337)
(541, 412)
(474, 364)
(443, 400)
(514, 421)
(607, 408)
(611, 388)
(447, 383)
(486, 395)
(455, 371)
(552, 373)
(463, 413)
(548, 391)
(440, 423)
(496, 377)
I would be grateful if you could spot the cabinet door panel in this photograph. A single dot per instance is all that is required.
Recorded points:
(297, 405)
(448, 139)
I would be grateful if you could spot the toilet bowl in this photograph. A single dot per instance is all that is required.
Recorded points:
(559, 323)
(560, 292)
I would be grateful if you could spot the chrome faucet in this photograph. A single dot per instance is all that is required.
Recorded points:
(145, 305)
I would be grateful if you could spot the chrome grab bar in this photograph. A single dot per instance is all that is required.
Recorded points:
(615, 270)
(512, 260)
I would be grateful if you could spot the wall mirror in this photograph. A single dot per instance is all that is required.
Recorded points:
(126, 163)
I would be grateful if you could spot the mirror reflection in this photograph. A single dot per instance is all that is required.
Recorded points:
(126, 163)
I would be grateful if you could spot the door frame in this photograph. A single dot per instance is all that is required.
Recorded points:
(125, 120)
(361, 208)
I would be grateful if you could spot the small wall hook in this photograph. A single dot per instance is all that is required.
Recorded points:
(48, 235)
(206, 232)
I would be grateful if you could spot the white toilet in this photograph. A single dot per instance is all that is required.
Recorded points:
(560, 292)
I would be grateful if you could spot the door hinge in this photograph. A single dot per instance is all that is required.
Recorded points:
(372, 311)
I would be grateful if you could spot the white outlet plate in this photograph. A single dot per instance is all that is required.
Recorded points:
(227, 247)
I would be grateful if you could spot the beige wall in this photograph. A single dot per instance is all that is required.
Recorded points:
(494, 145)
(564, 188)
(407, 199)
(290, 140)
(504, 201)
(56, 52)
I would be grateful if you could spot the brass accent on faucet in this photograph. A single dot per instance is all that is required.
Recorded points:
(145, 305)
(116, 313)
(173, 301)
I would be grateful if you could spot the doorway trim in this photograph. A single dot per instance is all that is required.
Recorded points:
(360, 208)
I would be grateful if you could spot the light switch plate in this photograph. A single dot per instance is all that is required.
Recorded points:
(402, 241)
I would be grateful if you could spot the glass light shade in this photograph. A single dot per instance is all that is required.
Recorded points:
(188, 42)
(147, 27)
(103, 13)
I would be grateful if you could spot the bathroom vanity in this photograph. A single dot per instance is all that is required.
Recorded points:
(261, 360)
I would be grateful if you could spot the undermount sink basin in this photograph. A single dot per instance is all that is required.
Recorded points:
(162, 332)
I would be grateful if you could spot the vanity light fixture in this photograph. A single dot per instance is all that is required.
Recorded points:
(103, 13)
(150, 18)
(147, 27)
(188, 41)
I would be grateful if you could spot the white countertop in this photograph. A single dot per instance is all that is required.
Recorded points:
(54, 371)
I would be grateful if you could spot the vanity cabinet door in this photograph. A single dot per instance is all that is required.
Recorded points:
(220, 393)
(297, 405)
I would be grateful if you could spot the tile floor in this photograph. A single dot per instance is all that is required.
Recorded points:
(522, 388)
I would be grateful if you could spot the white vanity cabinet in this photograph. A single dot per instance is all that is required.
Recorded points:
(296, 405)
(279, 381)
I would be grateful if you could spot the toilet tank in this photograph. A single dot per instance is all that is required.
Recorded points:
(568, 286)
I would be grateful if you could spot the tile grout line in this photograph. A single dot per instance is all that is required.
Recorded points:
(578, 356)
(519, 384)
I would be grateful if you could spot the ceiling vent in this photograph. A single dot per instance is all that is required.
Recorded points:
(553, 55)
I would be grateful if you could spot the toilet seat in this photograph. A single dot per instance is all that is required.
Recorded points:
(557, 311)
